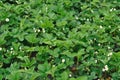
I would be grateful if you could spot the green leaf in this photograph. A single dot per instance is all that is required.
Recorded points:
(34, 76)
(1, 77)
(32, 38)
(82, 78)
(16, 46)
(64, 75)
(72, 79)
(2, 38)
(44, 67)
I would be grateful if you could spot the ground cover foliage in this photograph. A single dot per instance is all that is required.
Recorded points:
(59, 40)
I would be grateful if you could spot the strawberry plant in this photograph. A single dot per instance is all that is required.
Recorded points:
(59, 39)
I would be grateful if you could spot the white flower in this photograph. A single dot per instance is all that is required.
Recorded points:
(53, 65)
(7, 50)
(111, 10)
(119, 29)
(101, 27)
(105, 68)
(35, 30)
(38, 30)
(110, 54)
(91, 41)
(43, 30)
(114, 9)
(18, 2)
(84, 18)
(7, 19)
(70, 75)
(94, 38)
(96, 52)
(99, 44)
(0, 48)
(20, 47)
(109, 26)
(108, 47)
(50, 46)
(87, 19)
(11, 49)
(95, 61)
(76, 17)
(63, 60)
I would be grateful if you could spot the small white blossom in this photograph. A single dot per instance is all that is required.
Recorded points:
(119, 29)
(20, 47)
(53, 65)
(111, 10)
(110, 54)
(43, 30)
(91, 41)
(84, 18)
(38, 30)
(99, 44)
(50, 46)
(7, 50)
(0, 48)
(7, 19)
(76, 17)
(101, 27)
(17, 2)
(63, 60)
(95, 39)
(11, 49)
(95, 61)
(35, 30)
(114, 9)
(108, 47)
(105, 68)
(87, 19)
(109, 26)
(70, 75)
(25, 68)
(96, 52)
